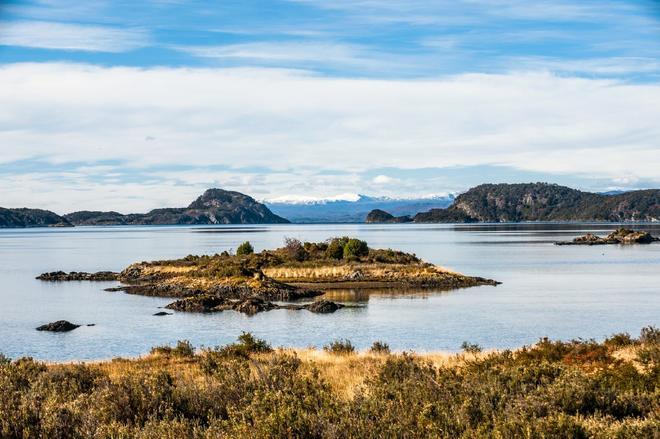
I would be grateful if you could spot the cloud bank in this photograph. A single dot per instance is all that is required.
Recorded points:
(279, 120)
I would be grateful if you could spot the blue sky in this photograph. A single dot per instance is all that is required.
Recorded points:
(133, 105)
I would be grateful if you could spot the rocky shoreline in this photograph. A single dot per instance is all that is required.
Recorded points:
(619, 236)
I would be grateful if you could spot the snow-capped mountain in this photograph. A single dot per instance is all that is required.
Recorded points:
(351, 208)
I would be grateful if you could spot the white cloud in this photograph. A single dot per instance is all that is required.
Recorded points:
(287, 120)
(68, 36)
(383, 180)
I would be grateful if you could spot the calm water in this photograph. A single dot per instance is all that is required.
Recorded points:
(547, 290)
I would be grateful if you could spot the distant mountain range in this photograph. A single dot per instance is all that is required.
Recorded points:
(215, 206)
(353, 210)
(536, 202)
(484, 203)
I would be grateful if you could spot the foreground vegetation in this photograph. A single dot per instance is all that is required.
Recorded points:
(247, 389)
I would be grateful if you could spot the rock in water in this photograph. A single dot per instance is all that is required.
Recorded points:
(253, 305)
(58, 326)
(61, 276)
(162, 313)
(198, 303)
(323, 307)
(619, 236)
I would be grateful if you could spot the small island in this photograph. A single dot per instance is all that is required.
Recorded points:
(250, 282)
(619, 236)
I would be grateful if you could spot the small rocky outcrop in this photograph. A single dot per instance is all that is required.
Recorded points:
(58, 326)
(619, 236)
(199, 303)
(378, 216)
(62, 276)
(323, 307)
(253, 306)
(205, 303)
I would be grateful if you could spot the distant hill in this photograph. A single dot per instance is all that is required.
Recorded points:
(380, 216)
(544, 202)
(353, 211)
(215, 206)
(13, 218)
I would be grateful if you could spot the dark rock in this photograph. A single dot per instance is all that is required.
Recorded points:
(323, 307)
(162, 313)
(61, 276)
(58, 326)
(91, 324)
(253, 306)
(380, 216)
(198, 303)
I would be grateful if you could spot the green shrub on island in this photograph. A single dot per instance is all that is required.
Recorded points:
(335, 248)
(553, 389)
(245, 249)
(355, 248)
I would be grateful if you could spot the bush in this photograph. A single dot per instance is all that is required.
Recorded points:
(245, 249)
(619, 340)
(471, 348)
(295, 249)
(340, 347)
(355, 248)
(379, 347)
(182, 349)
(650, 334)
(247, 345)
(335, 248)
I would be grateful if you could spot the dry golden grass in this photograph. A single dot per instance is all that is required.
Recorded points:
(385, 272)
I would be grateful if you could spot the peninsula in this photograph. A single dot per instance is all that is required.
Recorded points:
(251, 282)
(501, 203)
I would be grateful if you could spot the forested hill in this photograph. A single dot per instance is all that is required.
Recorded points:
(545, 202)
(10, 218)
(215, 206)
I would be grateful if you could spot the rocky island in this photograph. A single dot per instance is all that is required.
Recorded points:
(619, 236)
(251, 282)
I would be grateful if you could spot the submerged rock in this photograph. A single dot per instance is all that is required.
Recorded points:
(62, 276)
(619, 236)
(58, 326)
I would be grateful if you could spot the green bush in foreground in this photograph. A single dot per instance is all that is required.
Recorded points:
(553, 389)
(340, 347)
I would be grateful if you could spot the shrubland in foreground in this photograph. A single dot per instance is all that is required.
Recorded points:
(552, 389)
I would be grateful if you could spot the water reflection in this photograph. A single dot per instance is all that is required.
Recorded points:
(362, 295)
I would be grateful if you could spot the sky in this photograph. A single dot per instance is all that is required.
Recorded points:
(132, 105)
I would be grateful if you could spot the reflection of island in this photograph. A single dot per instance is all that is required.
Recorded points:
(362, 295)
(619, 236)
(251, 282)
